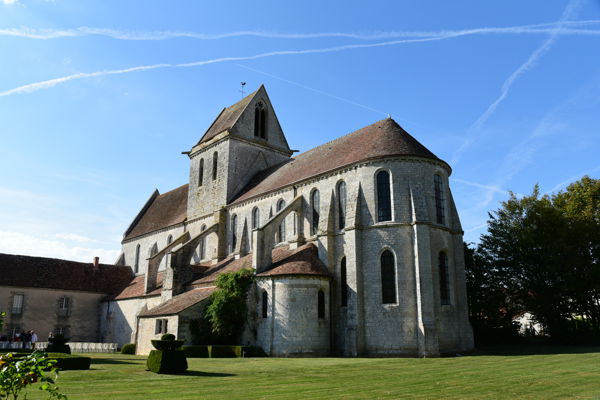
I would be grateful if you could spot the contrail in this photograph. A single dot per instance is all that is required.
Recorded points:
(482, 186)
(506, 86)
(31, 87)
(45, 34)
(312, 89)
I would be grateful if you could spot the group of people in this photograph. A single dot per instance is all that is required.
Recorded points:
(28, 338)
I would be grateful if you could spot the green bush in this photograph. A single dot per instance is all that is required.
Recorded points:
(69, 362)
(167, 344)
(225, 351)
(128, 348)
(196, 351)
(167, 336)
(166, 362)
(58, 348)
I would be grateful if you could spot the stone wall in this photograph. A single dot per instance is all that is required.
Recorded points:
(119, 318)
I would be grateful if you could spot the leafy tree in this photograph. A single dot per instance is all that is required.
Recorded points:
(541, 254)
(226, 311)
(18, 372)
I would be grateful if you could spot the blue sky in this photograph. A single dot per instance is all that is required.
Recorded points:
(99, 99)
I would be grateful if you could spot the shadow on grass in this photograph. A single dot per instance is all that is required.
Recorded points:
(530, 350)
(206, 374)
(112, 361)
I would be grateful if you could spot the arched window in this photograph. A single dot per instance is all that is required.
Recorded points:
(215, 163)
(444, 279)
(137, 259)
(169, 239)
(201, 172)
(255, 218)
(203, 244)
(341, 195)
(321, 304)
(343, 283)
(260, 121)
(315, 206)
(384, 200)
(233, 232)
(265, 304)
(281, 230)
(388, 278)
(153, 250)
(439, 200)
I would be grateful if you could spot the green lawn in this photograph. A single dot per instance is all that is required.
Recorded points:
(508, 373)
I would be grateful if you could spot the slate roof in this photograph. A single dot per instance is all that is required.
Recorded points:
(384, 138)
(179, 303)
(54, 273)
(167, 209)
(226, 119)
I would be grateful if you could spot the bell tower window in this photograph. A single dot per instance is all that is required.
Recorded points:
(260, 121)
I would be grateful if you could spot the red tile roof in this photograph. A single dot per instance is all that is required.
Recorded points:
(384, 138)
(135, 288)
(179, 303)
(53, 273)
(166, 209)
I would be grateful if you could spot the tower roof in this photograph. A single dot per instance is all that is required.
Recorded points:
(384, 138)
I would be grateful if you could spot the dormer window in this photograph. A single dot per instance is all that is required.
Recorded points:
(260, 121)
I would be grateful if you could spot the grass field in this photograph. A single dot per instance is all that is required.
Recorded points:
(500, 373)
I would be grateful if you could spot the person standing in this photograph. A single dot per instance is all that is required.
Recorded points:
(26, 336)
(34, 339)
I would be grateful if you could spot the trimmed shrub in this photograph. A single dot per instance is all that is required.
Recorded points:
(225, 351)
(69, 362)
(167, 336)
(128, 348)
(196, 351)
(253, 351)
(58, 348)
(166, 362)
(167, 344)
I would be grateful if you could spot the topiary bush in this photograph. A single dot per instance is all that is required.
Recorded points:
(225, 351)
(196, 351)
(69, 362)
(128, 348)
(167, 361)
(58, 344)
(167, 344)
(167, 336)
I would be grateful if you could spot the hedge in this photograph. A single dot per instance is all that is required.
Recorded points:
(69, 362)
(128, 348)
(58, 348)
(167, 361)
(217, 351)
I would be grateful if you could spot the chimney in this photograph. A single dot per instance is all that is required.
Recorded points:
(96, 262)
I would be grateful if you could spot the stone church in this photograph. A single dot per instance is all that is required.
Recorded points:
(356, 244)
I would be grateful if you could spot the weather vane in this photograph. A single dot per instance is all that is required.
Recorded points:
(242, 90)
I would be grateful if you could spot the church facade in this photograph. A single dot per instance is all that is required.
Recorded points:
(356, 244)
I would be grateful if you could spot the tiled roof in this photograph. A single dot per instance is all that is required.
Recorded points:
(226, 119)
(135, 288)
(382, 139)
(53, 273)
(166, 209)
(179, 302)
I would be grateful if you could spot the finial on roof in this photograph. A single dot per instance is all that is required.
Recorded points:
(242, 90)
(389, 116)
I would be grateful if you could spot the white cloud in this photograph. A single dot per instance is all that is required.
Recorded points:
(73, 237)
(9, 2)
(25, 244)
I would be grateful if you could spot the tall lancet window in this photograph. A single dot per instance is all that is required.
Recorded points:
(233, 232)
(440, 212)
(343, 283)
(384, 198)
(260, 121)
(136, 264)
(215, 164)
(315, 206)
(341, 195)
(201, 172)
(388, 278)
(281, 230)
(203, 244)
(444, 279)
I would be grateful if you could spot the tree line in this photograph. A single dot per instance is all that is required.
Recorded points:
(541, 255)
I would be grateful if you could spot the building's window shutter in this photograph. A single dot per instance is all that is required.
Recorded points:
(388, 278)
(384, 200)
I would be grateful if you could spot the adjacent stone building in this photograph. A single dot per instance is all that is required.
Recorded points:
(356, 244)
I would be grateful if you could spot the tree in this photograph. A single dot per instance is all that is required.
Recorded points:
(541, 254)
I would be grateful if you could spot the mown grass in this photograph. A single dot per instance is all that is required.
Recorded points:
(500, 373)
